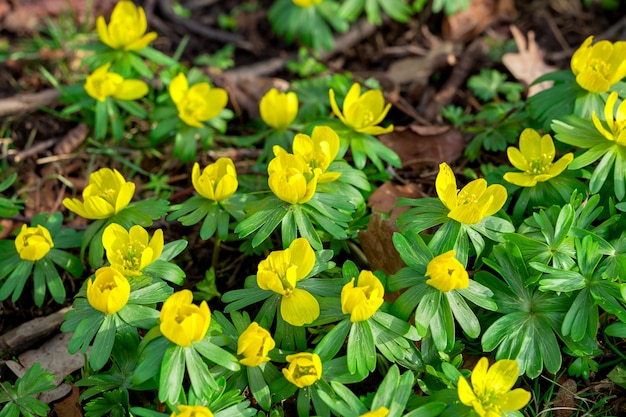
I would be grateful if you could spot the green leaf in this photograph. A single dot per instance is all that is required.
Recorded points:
(426, 310)
(67, 261)
(361, 351)
(14, 284)
(172, 373)
(217, 355)
(463, 314)
(164, 270)
(259, 388)
(333, 341)
(103, 343)
(201, 379)
(139, 316)
(173, 249)
(413, 251)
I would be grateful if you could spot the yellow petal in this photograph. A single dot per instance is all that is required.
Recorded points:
(178, 87)
(299, 308)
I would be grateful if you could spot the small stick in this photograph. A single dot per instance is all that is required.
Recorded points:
(28, 102)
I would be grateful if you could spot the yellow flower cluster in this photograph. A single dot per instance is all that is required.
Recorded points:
(535, 158)
(183, 322)
(33, 243)
(281, 271)
(101, 84)
(278, 109)
(474, 202)
(131, 251)
(198, 103)
(127, 28)
(304, 369)
(107, 194)
(362, 300)
(217, 181)
(446, 272)
(109, 291)
(362, 112)
(294, 177)
(254, 344)
(597, 67)
(192, 411)
(490, 394)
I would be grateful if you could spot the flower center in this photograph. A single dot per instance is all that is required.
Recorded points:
(107, 286)
(538, 166)
(599, 65)
(301, 371)
(130, 254)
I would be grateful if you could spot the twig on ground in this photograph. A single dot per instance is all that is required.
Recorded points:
(218, 35)
(474, 52)
(359, 31)
(35, 149)
(24, 103)
(21, 338)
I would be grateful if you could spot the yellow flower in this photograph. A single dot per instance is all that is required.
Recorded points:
(131, 251)
(277, 109)
(318, 151)
(183, 322)
(198, 103)
(306, 3)
(446, 272)
(597, 67)
(254, 344)
(363, 300)
(109, 291)
(616, 131)
(33, 243)
(535, 158)
(107, 194)
(362, 112)
(291, 179)
(379, 412)
(304, 369)
(192, 411)
(127, 28)
(490, 394)
(474, 202)
(281, 271)
(217, 181)
(101, 84)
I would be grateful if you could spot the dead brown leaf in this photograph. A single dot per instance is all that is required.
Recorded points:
(527, 65)
(71, 140)
(54, 358)
(468, 24)
(384, 198)
(378, 247)
(565, 401)
(420, 146)
(70, 405)
(28, 15)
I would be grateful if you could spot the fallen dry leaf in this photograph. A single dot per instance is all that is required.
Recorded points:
(469, 23)
(420, 146)
(54, 358)
(70, 405)
(565, 401)
(385, 197)
(378, 246)
(27, 16)
(71, 140)
(527, 65)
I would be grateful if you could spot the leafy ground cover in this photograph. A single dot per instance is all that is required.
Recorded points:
(376, 208)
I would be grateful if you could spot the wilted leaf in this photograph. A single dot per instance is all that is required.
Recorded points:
(527, 65)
